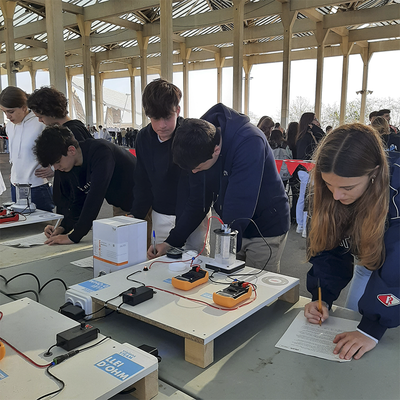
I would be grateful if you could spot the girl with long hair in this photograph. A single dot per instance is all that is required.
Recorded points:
(354, 212)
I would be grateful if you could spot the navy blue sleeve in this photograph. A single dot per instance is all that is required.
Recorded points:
(334, 269)
(380, 303)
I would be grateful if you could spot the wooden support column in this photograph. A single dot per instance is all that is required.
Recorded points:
(98, 92)
(288, 17)
(70, 95)
(143, 43)
(131, 70)
(219, 61)
(346, 49)
(55, 44)
(8, 8)
(238, 33)
(247, 69)
(185, 54)
(166, 36)
(84, 28)
(321, 35)
(366, 57)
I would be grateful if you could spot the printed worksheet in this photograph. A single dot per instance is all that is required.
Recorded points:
(84, 262)
(34, 240)
(314, 340)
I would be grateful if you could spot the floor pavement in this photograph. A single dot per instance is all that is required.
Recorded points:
(293, 262)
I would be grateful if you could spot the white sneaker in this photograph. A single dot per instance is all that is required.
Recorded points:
(304, 233)
(299, 229)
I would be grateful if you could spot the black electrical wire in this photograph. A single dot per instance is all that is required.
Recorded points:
(51, 280)
(24, 291)
(55, 378)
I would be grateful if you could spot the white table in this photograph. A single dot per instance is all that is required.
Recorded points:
(34, 218)
(199, 324)
(94, 373)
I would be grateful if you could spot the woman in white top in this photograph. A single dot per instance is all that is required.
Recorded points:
(22, 131)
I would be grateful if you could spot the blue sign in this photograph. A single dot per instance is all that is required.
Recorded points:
(3, 375)
(207, 295)
(169, 280)
(93, 286)
(120, 365)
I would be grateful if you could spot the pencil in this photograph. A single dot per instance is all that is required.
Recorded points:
(319, 301)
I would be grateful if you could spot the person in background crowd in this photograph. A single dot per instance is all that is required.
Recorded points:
(328, 129)
(281, 151)
(385, 113)
(308, 136)
(22, 131)
(372, 116)
(294, 182)
(391, 141)
(266, 125)
(354, 208)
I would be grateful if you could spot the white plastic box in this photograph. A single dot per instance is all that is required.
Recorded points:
(118, 242)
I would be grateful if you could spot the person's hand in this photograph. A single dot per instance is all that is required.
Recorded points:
(352, 344)
(59, 239)
(161, 249)
(312, 313)
(49, 231)
(44, 172)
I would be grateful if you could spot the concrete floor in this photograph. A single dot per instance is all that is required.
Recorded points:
(293, 262)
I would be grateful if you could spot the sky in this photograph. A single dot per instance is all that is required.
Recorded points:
(266, 83)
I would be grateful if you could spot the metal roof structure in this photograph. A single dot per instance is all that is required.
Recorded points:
(205, 26)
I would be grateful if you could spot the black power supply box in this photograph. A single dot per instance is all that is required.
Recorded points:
(134, 296)
(77, 336)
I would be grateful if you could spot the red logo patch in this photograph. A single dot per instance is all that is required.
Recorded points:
(388, 299)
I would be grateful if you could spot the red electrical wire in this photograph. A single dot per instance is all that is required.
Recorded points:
(21, 354)
(204, 246)
(208, 304)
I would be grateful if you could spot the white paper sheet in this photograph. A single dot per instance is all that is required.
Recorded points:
(314, 340)
(84, 262)
(34, 240)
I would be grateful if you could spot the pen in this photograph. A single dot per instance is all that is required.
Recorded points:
(56, 225)
(154, 243)
(319, 301)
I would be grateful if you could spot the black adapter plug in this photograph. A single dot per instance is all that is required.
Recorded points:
(76, 336)
(74, 312)
(134, 296)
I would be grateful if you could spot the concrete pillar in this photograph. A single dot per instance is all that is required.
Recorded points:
(238, 17)
(185, 54)
(366, 57)
(166, 36)
(219, 61)
(288, 17)
(8, 8)
(321, 35)
(70, 94)
(84, 28)
(55, 44)
(143, 43)
(247, 69)
(98, 92)
(346, 49)
(32, 73)
(131, 70)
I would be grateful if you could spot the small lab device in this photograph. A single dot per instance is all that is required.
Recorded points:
(225, 252)
(195, 277)
(234, 294)
(23, 204)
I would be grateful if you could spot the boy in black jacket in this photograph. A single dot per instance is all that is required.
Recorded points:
(99, 169)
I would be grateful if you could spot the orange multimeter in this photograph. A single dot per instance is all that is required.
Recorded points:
(2, 350)
(195, 277)
(234, 294)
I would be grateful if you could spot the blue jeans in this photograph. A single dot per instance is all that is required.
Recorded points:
(303, 176)
(41, 195)
(360, 279)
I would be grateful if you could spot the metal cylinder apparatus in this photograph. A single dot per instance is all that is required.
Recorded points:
(225, 245)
